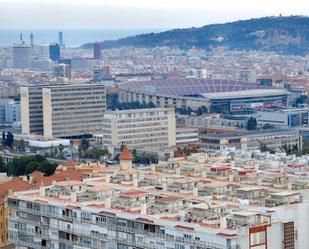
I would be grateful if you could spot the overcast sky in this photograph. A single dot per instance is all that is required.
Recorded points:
(138, 14)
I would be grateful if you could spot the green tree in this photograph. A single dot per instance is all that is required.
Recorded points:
(28, 164)
(9, 140)
(2, 166)
(251, 124)
(267, 126)
(83, 147)
(20, 145)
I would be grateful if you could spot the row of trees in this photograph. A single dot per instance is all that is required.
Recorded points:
(188, 110)
(26, 165)
(84, 151)
(133, 105)
(252, 125)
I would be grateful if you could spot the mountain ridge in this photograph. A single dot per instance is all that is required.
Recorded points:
(283, 34)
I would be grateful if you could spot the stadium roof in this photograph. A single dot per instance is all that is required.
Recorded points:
(244, 93)
(199, 88)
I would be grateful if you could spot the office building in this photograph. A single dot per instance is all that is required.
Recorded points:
(73, 110)
(31, 110)
(62, 110)
(21, 56)
(54, 51)
(139, 128)
(97, 51)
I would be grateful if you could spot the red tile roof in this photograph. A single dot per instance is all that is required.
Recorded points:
(134, 193)
(126, 154)
(15, 185)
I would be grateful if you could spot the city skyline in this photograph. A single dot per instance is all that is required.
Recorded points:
(137, 14)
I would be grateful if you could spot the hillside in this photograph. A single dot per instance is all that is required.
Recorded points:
(288, 35)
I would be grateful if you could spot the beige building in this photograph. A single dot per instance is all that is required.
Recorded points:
(140, 128)
(62, 110)
(31, 110)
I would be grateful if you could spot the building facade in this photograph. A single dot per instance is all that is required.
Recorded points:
(31, 110)
(54, 51)
(186, 136)
(22, 56)
(9, 111)
(153, 127)
(272, 139)
(292, 117)
(62, 110)
(73, 110)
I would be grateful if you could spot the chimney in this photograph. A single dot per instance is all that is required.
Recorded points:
(144, 208)
(135, 182)
(195, 192)
(42, 191)
(259, 181)
(108, 202)
(231, 178)
(153, 167)
(223, 222)
(204, 173)
(107, 178)
(289, 186)
(73, 197)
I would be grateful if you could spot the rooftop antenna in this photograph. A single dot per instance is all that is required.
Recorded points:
(21, 37)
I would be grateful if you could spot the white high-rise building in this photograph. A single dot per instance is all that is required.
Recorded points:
(140, 128)
(21, 56)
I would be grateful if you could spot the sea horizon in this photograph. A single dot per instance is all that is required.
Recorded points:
(71, 37)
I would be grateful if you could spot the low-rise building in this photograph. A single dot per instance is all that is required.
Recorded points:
(186, 136)
(273, 139)
(291, 117)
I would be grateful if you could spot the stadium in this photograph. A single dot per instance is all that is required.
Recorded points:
(216, 95)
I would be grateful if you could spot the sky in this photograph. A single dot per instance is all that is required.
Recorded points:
(138, 14)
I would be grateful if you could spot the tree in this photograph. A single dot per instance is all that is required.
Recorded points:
(251, 124)
(9, 140)
(3, 138)
(28, 164)
(2, 166)
(267, 126)
(83, 147)
(20, 145)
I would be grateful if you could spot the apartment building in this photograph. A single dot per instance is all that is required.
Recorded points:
(140, 128)
(161, 207)
(64, 110)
